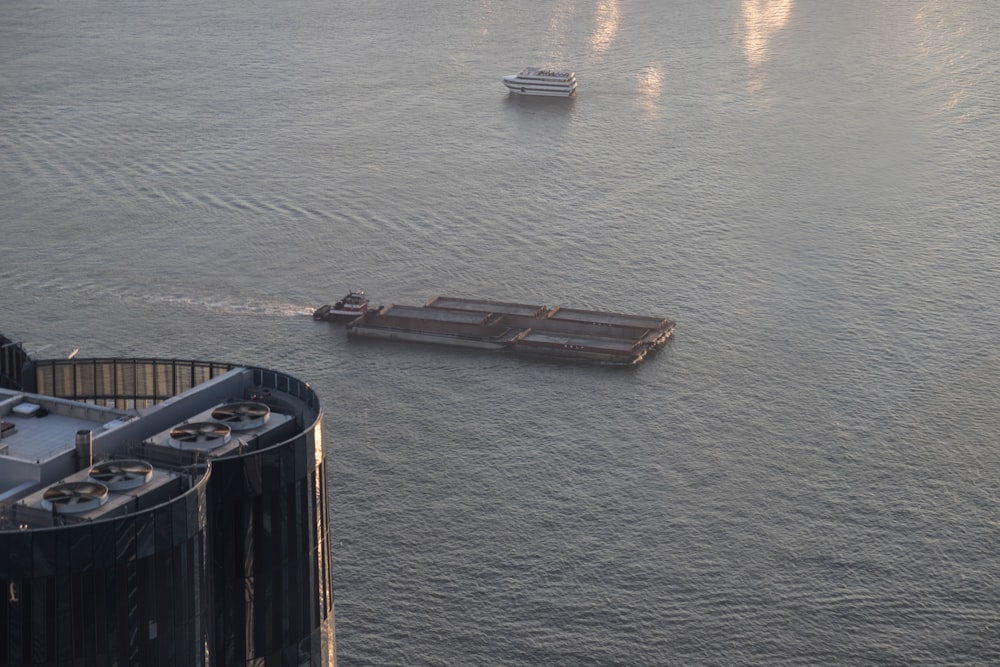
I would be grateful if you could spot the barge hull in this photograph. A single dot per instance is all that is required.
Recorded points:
(587, 335)
(437, 338)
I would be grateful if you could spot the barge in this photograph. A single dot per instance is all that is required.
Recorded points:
(590, 335)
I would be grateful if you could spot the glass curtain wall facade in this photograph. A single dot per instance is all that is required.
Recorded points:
(235, 572)
(127, 591)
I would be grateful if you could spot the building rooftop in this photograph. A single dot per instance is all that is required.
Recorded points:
(49, 441)
(38, 428)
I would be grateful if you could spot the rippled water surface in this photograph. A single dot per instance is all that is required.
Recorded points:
(806, 474)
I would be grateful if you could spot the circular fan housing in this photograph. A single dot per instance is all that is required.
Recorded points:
(242, 416)
(122, 475)
(74, 497)
(204, 436)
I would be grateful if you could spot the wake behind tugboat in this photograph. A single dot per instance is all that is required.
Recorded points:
(587, 335)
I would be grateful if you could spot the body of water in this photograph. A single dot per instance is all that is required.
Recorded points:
(807, 474)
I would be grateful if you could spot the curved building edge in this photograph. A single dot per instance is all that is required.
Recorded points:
(220, 557)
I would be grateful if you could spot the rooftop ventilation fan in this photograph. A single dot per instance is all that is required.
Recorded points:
(74, 497)
(122, 475)
(242, 416)
(199, 435)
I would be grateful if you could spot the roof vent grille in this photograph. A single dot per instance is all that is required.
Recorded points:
(122, 475)
(74, 497)
(242, 416)
(203, 436)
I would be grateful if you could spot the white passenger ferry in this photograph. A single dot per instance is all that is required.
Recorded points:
(540, 81)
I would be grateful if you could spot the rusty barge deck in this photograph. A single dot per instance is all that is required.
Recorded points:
(591, 335)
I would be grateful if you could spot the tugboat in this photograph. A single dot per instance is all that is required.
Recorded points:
(355, 304)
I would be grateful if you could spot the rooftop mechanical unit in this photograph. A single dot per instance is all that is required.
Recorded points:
(122, 475)
(227, 428)
(109, 488)
(203, 436)
(244, 416)
(74, 497)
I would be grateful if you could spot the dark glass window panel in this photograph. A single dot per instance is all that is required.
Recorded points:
(203, 510)
(20, 555)
(182, 587)
(79, 610)
(192, 506)
(101, 610)
(125, 539)
(146, 592)
(145, 535)
(287, 466)
(179, 512)
(88, 622)
(271, 469)
(63, 540)
(81, 550)
(167, 593)
(51, 604)
(64, 613)
(104, 542)
(302, 454)
(44, 553)
(252, 474)
(4, 561)
(121, 597)
(37, 629)
(185, 573)
(131, 620)
(163, 526)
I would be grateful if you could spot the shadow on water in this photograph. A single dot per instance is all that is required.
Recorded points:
(552, 116)
(551, 106)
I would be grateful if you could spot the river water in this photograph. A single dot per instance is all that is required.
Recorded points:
(807, 474)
